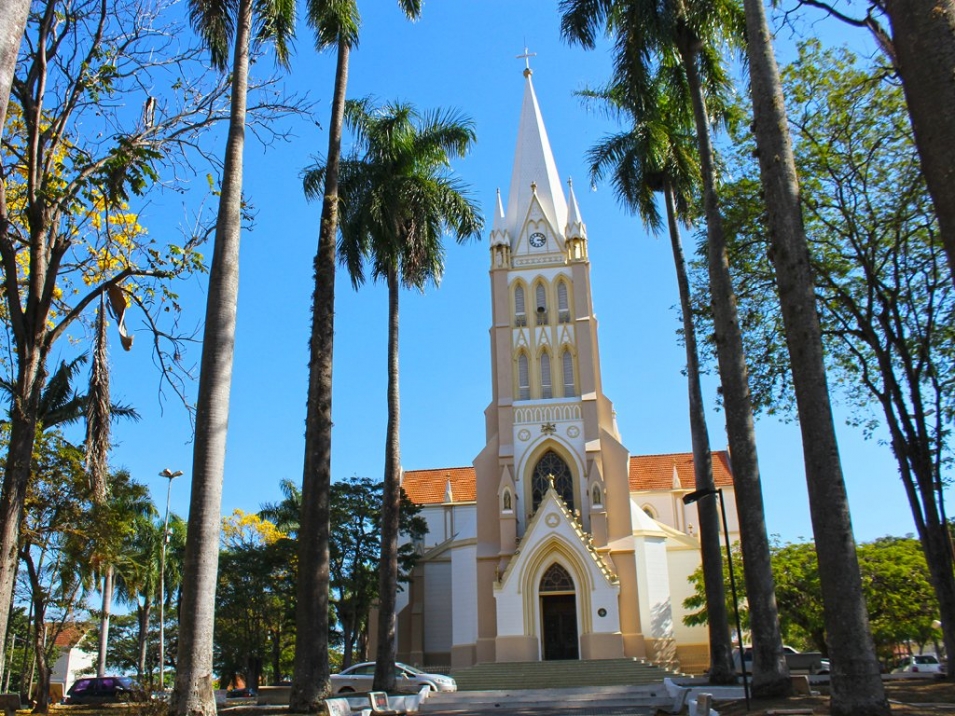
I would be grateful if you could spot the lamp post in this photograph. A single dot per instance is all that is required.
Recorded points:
(169, 475)
(689, 499)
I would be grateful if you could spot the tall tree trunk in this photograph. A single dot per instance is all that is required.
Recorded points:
(923, 35)
(104, 621)
(856, 682)
(97, 458)
(390, 507)
(770, 672)
(142, 639)
(721, 648)
(194, 694)
(310, 682)
(31, 375)
(13, 22)
(42, 697)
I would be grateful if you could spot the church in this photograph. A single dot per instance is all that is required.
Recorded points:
(555, 543)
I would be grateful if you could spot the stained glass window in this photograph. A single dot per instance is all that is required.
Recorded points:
(552, 464)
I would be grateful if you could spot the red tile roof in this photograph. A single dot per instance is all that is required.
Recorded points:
(70, 635)
(655, 472)
(427, 487)
(647, 472)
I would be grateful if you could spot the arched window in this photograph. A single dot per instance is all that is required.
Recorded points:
(649, 512)
(547, 390)
(540, 296)
(523, 378)
(506, 502)
(520, 315)
(556, 579)
(551, 465)
(567, 365)
(597, 500)
(563, 305)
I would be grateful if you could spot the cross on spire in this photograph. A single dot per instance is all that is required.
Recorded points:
(527, 60)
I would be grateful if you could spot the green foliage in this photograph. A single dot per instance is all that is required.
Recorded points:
(895, 581)
(255, 609)
(887, 310)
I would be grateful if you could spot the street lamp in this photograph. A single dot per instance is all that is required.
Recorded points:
(169, 475)
(689, 499)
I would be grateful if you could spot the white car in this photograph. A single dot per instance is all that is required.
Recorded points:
(407, 678)
(918, 664)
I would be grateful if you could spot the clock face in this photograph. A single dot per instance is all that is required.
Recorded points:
(538, 240)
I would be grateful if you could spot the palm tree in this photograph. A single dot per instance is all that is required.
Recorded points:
(655, 154)
(219, 24)
(110, 556)
(336, 24)
(683, 36)
(13, 21)
(396, 201)
(856, 683)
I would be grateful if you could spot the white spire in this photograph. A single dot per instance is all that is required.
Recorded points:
(534, 164)
(498, 231)
(575, 225)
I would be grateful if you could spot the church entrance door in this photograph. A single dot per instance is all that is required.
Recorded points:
(559, 617)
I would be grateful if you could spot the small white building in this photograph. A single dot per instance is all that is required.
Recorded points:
(556, 543)
(76, 655)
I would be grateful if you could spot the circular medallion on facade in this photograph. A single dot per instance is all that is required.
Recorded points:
(524, 435)
(601, 612)
(573, 431)
(552, 520)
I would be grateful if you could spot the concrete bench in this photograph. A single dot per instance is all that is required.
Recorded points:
(380, 705)
(9, 703)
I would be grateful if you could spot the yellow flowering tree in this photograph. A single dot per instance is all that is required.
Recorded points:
(106, 102)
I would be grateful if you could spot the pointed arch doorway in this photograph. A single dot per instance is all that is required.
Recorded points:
(558, 609)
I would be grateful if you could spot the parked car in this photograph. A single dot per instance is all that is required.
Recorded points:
(811, 661)
(918, 664)
(105, 689)
(407, 678)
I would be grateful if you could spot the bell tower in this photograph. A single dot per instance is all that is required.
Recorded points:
(551, 434)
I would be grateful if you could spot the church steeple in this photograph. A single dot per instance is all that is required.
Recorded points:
(534, 171)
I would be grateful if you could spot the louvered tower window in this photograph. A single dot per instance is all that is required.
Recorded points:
(563, 305)
(520, 315)
(567, 365)
(540, 295)
(547, 390)
(523, 378)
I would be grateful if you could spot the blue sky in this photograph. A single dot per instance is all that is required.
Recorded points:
(460, 55)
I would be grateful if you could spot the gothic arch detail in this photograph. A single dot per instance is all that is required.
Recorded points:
(549, 466)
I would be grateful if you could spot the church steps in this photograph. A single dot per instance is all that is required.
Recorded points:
(558, 674)
(645, 699)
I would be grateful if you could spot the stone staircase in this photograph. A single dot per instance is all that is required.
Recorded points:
(559, 675)
(645, 700)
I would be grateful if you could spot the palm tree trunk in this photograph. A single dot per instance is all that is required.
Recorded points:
(390, 508)
(856, 682)
(770, 672)
(310, 681)
(923, 36)
(142, 620)
(721, 648)
(104, 621)
(194, 694)
(13, 21)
